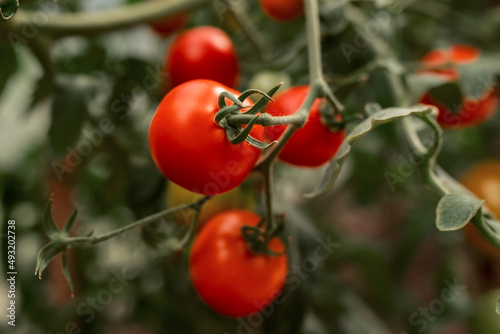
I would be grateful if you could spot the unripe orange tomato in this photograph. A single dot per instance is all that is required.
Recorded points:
(484, 181)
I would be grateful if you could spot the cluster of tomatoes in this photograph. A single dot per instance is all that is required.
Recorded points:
(194, 153)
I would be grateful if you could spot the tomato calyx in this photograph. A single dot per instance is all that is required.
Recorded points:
(258, 237)
(335, 121)
(238, 134)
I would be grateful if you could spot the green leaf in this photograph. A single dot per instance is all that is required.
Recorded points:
(48, 221)
(9, 64)
(449, 95)
(68, 114)
(478, 77)
(455, 210)
(498, 306)
(379, 118)
(8, 8)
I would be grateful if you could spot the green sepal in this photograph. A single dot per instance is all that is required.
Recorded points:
(48, 221)
(242, 136)
(225, 111)
(71, 220)
(222, 100)
(257, 143)
(46, 255)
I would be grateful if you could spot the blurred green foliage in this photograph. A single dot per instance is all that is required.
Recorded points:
(391, 261)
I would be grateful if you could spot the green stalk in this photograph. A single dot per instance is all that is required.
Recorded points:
(65, 24)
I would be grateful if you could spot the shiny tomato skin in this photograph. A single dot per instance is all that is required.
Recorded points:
(474, 111)
(165, 27)
(312, 145)
(203, 53)
(283, 10)
(190, 149)
(227, 275)
(484, 181)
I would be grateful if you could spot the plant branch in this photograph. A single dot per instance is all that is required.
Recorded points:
(106, 20)
(248, 28)
(80, 241)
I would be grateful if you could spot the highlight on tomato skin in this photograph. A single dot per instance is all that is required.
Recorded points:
(484, 181)
(473, 110)
(227, 275)
(312, 145)
(203, 52)
(190, 149)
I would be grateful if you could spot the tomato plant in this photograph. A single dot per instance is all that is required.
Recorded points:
(484, 181)
(204, 161)
(312, 145)
(203, 53)
(362, 252)
(282, 10)
(227, 274)
(165, 27)
(473, 110)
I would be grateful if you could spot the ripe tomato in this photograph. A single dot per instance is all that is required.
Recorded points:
(474, 110)
(236, 198)
(484, 181)
(165, 27)
(283, 10)
(203, 53)
(227, 275)
(312, 145)
(190, 149)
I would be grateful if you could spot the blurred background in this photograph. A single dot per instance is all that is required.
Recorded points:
(393, 270)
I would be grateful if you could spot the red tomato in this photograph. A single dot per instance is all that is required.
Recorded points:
(165, 27)
(203, 53)
(312, 145)
(190, 149)
(227, 275)
(283, 10)
(484, 181)
(473, 111)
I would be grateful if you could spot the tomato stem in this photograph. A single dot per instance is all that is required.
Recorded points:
(66, 24)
